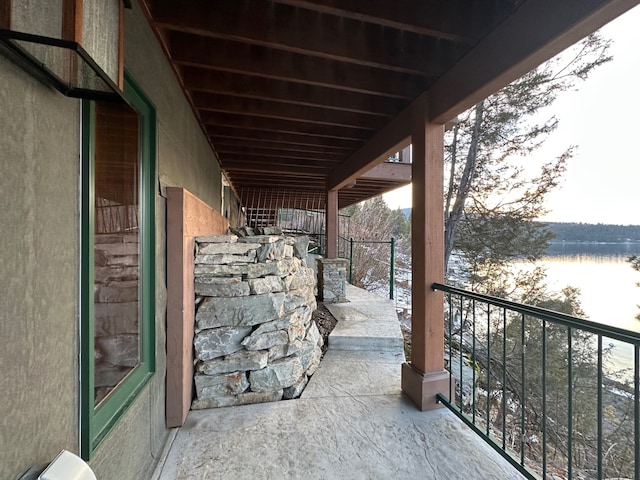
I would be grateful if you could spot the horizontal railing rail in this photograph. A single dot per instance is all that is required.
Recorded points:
(544, 389)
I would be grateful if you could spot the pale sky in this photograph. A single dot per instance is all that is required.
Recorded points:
(602, 118)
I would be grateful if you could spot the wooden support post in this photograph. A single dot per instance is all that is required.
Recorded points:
(331, 227)
(425, 376)
(187, 218)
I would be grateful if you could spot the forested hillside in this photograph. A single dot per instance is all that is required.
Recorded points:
(585, 232)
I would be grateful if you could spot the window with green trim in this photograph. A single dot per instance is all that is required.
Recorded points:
(118, 259)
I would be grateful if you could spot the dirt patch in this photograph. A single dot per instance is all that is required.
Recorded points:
(325, 322)
(406, 334)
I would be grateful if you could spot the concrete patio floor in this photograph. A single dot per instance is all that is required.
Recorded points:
(352, 421)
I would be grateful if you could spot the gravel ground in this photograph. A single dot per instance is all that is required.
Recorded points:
(325, 322)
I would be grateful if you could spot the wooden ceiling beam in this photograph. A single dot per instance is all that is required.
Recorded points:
(281, 167)
(389, 171)
(277, 181)
(245, 162)
(431, 19)
(308, 32)
(276, 138)
(201, 80)
(223, 144)
(229, 161)
(537, 30)
(261, 179)
(283, 111)
(240, 152)
(192, 50)
(387, 141)
(283, 126)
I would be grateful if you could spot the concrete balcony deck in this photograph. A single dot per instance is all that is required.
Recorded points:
(352, 421)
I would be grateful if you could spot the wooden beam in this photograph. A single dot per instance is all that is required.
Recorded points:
(305, 32)
(193, 50)
(425, 376)
(331, 225)
(280, 166)
(187, 217)
(268, 155)
(283, 126)
(284, 111)
(226, 144)
(386, 142)
(431, 19)
(72, 20)
(537, 30)
(399, 172)
(200, 80)
(5, 14)
(276, 138)
(279, 182)
(275, 178)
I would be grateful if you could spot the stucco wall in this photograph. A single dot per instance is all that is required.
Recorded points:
(185, 157)
(39, 261)
(186, 160)
(39, 224)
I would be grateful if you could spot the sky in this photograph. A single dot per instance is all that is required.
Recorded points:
(602, 119)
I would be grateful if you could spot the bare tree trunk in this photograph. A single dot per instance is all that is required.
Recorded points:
(455, 215)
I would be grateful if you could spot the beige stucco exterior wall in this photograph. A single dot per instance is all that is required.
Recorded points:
(185, 157)
(186, 160)
(39, 225)
(40, 263)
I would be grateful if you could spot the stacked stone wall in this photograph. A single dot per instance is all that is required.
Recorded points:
(255, 341)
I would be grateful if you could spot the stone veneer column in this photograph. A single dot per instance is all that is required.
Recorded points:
(332, 279)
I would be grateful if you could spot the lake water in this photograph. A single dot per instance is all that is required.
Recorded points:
(606, 281)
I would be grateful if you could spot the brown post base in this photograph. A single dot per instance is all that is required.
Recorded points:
(422, 388)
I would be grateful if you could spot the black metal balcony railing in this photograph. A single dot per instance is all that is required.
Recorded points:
(544, 389)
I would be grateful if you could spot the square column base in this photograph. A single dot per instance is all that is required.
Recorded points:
(422, 388)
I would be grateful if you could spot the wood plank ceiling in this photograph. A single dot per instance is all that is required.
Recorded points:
(289, 90)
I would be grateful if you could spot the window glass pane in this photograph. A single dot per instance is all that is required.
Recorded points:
(117, 286)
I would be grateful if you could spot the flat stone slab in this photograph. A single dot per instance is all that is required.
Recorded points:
(351, 422)
(344, 373)
(365, 437)
(365, 322)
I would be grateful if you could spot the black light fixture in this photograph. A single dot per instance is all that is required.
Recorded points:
(76, 46)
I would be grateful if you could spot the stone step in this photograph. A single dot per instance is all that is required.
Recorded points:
(365, 322)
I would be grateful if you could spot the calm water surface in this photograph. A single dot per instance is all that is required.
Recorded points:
(606, 281)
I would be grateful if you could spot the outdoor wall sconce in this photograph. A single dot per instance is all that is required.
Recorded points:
(76, 46)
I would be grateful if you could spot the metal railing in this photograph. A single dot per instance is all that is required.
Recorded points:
(550, 392)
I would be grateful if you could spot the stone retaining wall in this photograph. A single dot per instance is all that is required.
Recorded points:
(255, 341)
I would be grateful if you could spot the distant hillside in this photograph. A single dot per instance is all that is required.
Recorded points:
(586, 232)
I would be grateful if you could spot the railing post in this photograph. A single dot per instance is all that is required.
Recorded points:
(392, 267)
(351, 261)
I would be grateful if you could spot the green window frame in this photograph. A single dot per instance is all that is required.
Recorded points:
(97, 421)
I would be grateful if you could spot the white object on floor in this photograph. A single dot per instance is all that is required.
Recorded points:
(67, 466)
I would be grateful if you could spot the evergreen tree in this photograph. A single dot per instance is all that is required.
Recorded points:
(491, 201)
